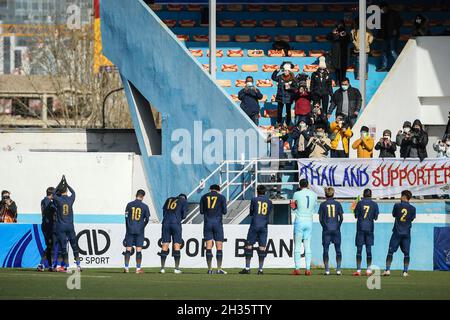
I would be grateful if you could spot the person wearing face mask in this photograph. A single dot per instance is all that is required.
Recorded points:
(286, 89)
(364, 145)
(346, 100)
(386, 146)
(340, 41)
(368, 41)
(318, 118)
(340, 137)
(8, 208)
(300, 137)
(321, 86)
(419, 141)
(319, 145)
(302, 103)
(250, 96)
(442, 148)
(421, 27)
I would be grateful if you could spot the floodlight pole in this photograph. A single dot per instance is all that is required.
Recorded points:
(212, 38)
(362, 51)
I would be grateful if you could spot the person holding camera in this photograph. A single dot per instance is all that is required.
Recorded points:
(250, 96)
(8, 208)
(300, 137)
(413, 142)
(318, 118)
(386, 146)
(319, 144)
(340, 41)
(364, 145)
(285, 91)
(302, 103)
(442, 147)
(340, 137)
(321, 86)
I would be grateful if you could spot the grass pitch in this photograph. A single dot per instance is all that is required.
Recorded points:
(196, 284)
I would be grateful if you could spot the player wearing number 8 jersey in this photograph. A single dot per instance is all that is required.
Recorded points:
(137, 215)
(260, 209)
(404, 214)
(304, 204)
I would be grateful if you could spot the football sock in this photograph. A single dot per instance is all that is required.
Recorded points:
(261, 256)
(358, 258)
(219, 256)
(405, 263)
(326, 258)
(176, 256)
(369, 256)
(138, 259)
(338, 256)
(127, 255)
(163, 254)
(209, 257)
(388, 261)
(248, 257)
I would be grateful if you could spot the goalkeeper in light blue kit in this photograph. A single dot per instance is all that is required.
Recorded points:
(303, 205)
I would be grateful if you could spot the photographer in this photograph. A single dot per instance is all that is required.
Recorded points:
(285, 91)
(365, 144)
(318, 118)
(340, 41)
(413, 141)
(8, 208)
(403, 139)
(442, 147)
(386, 146)
(319, 144)
(340, 137)
(302, 103)
(250, 97)
(321, 86)
(301, 136)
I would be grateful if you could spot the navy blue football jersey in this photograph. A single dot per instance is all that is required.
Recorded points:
(64, 207)
(404, 214)
(48, 211)
(137, 215)
(260, 208)
(174, 210)
(366, 212)
(213, 206)
(331, 215)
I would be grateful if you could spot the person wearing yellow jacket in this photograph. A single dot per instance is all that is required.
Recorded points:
(365, 144)
(340, 137)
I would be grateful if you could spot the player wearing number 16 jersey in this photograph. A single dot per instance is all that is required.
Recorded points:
(137, 215)
(260, 209)
(404, 214)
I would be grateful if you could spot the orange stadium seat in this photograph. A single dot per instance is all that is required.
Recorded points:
(170, 23)
(240, 83)
(174, 7)
(234, 97)
(219, 7)
(223, 38)
(187, 23)
(296, 53)
(249, 68)
(194, 7)
(416, 7)
(235, 53)
(276, 53)
(310, 67)
(329, 23)
(242, 38)
(351, 68)
(315, 8)
(308, 23)
(376, 53)
(268, 23)
(224, 83)
(263, 38)
(295, 7)
(316, 53)
(230, 68)
(275, 8)
(408, 23)
(269, 67)
(282, 37)
(196, 52)
(289, 23)
(183, 37)
(248, 23)
(321, 38)
(335, 7)
(264, 83)
(255, 53)
(254, 7)
(296, 68)
(206, 66)
(200, 38)
(227, 23)
(404, 37)
(156, 7)
(303, 38)
(235, 7)
(270, 113)
(219, 53)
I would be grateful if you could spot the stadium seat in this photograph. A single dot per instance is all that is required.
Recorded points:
(170, 22)
(240, 83)
(274, 8)
(276, 53)
(398, 7)
(329, 23)
(310, 67)
(234, 97)
(351, 68)
(416, 8)
(289, 23)
(174, 7)
(242, 38)
(219, 53)
(335, 8)
(263, 38)
(376, 53)
(194, 7)
(435, 22)
(438, 7)
(269, 67)
(223, 38)
(206, 66)
(321, 38)
(249, 68)
(295, 7)
(308, 23)
(316, 53)
(187, 23)
(408, 23)
(224, 83)
(235, 53)
(303, 38)
(255, 53)
(268, 23)
(296, 53)
(200, 37)
(230, 68)
(296, 68)
(235, 7)
(282, 37)
(248, 23)
(183, 37)
(270, 113)
(404, 37)
(254, 7)
(196, 52)
(156, 7)
(227, 23)
(315, 8)
(264, 83)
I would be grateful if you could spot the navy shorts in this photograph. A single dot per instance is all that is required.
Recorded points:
(64, 233)
(399, 240)
(213, 231)
(134, 240)
(257, 234)
(331, 237)
(171, 231)
(364, 238)
(49, 235)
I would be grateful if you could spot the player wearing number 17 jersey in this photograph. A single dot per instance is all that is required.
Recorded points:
(137, 215)
(404, 214)
(304, 202)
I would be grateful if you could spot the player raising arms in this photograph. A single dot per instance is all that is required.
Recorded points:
(174, 211)
(213, 206)
(303, 205)
(331, 216)
(260, 209)
(48, 211)
(137, 215)
(366, 212)
(64, 228)
(404, 214)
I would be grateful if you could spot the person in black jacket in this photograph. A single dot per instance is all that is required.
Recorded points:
(386, 146)
(340, 40)
(286, 90)
(250, 96)
(8, 208)
(346, 100)
(421, 27)
(321, 86)
(413, 141)
(391, 21)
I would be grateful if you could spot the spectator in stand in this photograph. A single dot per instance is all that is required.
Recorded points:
(318, 118)
(319, 145)
(413, 140)
(300, 136)
(368, 42)
(340, 41)
(403, 139)
(346, 100)
(302, 103)
(321, 86)
(285, 91)
(447, 129)
(340, 137)
(250, 96)
(442, 147)
(421, 27)
(8, 208)
(386, 146)
(391, 21)
(364, 145)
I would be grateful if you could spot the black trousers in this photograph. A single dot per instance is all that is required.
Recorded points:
(280, 113)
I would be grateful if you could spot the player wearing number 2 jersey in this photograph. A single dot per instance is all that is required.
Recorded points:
(137, 216)
(304, 204)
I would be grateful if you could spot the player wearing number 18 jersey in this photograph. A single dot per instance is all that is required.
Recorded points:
(260, 209)
(404, 214)
(137, 215)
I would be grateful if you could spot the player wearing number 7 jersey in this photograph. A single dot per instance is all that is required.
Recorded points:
(404, 214)
(260, 209)
(137, 215)
(304, 203)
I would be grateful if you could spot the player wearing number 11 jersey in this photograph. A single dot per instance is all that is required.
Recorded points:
(137, 216)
